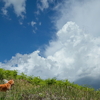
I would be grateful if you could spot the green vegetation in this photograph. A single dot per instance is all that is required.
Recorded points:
(34, 88)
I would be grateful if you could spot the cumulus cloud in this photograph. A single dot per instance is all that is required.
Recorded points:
(84, 13)
(31, 64)
(18, 5)
(76, 52)
(73, 56)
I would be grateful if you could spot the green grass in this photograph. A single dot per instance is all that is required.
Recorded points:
(34, 88)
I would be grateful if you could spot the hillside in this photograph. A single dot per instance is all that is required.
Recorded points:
(34, 88)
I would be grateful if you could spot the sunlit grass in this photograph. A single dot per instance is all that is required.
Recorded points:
(34, 88)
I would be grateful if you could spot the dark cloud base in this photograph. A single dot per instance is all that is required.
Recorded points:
(89, 81)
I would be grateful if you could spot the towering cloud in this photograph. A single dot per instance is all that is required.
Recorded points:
(73, 55)
(84, 13)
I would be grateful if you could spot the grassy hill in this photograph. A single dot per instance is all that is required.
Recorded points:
(34, 88)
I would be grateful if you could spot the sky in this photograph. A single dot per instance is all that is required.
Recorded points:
(52, 38)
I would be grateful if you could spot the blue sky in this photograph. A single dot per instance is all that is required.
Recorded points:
(19, 35)
(52, 38)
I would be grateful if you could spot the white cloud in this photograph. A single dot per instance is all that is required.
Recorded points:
(18, 5)
(84, 13)
(4, 11)
(20, 23)
(74, 55)
(33, 23)
(75, 52)
(40, 23)
(44, 4)
(34, 31)
(37, 12)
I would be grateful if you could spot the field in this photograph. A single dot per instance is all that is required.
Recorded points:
(35, 88)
